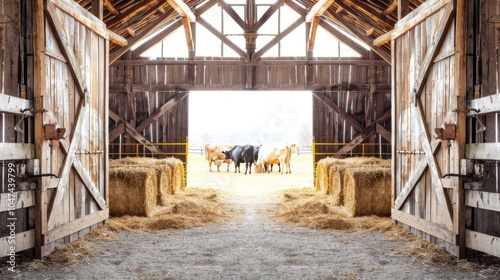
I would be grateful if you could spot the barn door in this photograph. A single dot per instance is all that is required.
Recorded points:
(73, 124)
(428, 141)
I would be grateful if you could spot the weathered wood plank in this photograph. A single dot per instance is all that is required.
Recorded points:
(76, 225)
(20, 199)
(24, 240)
(483, 200)
(16, 151)
(484, 105)
(484, 151)
(424, 225)
(15, 105)
(482, 242)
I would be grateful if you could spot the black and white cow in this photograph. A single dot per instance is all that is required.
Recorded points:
(239, 154)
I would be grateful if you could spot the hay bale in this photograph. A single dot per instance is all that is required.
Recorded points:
(132, 191)
(163, 173)
(367, 191)
(178, 179)
(322, 178)
(337, 172)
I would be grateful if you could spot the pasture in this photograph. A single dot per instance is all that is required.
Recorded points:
(255, 184)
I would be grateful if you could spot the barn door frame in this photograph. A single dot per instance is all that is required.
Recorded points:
(452, 229)
(47, 231)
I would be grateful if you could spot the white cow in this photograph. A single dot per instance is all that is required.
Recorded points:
(271, 154)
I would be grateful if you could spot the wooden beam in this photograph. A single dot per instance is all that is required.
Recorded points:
(357, 62)
(159, 112)
(96, 8)
(312, 36)
(136, 135)
(110, 7)
(482, 200)
(117, 131)
(188, 34)
(16, 151)
(377, 17)
(133, 11)
(182, 9)
(345, 39)
(484, 105)
(403, 8)
(383, 39)
(432, 51)
(223, 38)
(482, 151)
(267, 15)
(19, 200)
(117, 39)
(367, 132)
(145, 31)
(75, 226)
(24, 240)
(358, 34)
(341, 112)
(424, 226)
(15, 105)
(414, 178)
(278, 38)
(56, 26)
(482, 242)
(232, 13)
(386, 134)
(156, 39)
(318, 9)
(417, 16)
(390, 8)
(432, 161)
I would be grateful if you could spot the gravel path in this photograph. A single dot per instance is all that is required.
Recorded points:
(250, 246)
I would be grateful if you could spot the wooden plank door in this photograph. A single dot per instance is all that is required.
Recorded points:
(72, 101)
(428, 144)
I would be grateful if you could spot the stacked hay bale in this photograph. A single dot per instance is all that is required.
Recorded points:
(333, 177)
(132, 191)
(337, 174)
(322, 176)
(166, 173)
(368, 191)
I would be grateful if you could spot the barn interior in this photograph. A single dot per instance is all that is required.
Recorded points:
(421, 90)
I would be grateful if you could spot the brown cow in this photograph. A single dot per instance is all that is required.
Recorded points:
(214, 154)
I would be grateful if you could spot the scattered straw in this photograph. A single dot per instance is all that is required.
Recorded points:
(306, 207)
(191, 208)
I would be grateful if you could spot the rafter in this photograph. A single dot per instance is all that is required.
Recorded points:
(139, 7)
(318, 9)
(267, 15)
(110, 7)
(232, 13)
(182, 9)
(312, 36)
(223, 38)
(372, 13)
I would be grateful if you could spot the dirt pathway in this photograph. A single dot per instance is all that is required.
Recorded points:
(251, 246)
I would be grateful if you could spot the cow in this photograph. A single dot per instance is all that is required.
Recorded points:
(270, 154)
(291, 149)
(239, 154)
(214, 154)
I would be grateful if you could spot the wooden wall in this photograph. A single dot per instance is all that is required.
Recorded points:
(16, 129)
(356, 110)
(482, 195)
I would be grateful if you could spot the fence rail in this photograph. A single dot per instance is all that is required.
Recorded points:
(200, 150)
(364, 150)
(141, 149)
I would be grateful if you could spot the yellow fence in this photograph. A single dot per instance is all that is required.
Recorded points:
(141, 149)
(367, 149)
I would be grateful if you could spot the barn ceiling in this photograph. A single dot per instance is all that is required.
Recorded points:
(134, 20)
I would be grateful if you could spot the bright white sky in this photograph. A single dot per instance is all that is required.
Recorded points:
(250, 117)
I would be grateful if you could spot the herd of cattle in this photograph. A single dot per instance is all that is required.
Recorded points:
(263, 157)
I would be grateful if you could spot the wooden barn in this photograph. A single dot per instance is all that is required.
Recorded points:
(76, 90)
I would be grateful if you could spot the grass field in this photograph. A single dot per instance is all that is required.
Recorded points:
(250, 184)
